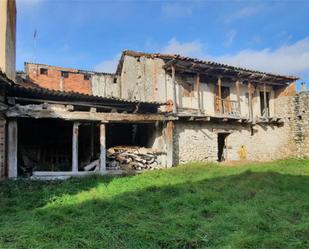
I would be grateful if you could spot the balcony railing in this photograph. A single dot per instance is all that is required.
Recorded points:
(228, 107)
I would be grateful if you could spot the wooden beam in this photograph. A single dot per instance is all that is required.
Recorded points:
(219, 94)
(37, 111)
(102, 148)
(174, 90)
(238, 95)
(198, 92)
(75, 147)
(12, 148)
(168, 134)
(265, 102)
(92, 141)
(250, 101)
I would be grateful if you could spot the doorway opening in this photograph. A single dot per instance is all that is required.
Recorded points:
(222, 153)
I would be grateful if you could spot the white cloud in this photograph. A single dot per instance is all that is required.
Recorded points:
(244, 12)
(108, 66)
(176, 10)
(290, 59)
(193, 49)
(230, 36)
(287, 59)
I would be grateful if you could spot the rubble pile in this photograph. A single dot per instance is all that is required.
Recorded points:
(132, 157)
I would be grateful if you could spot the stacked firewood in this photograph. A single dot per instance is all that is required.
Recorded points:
(132, 157)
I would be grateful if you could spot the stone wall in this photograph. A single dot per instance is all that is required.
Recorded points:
(198, 141)
(300, 124)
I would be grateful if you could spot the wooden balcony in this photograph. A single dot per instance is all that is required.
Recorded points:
(228, 107)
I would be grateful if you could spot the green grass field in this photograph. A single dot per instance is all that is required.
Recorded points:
(192, 206)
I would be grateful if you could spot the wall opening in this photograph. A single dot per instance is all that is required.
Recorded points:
(44, 145)
(264, 108)
(128, 134)
(88, 144)
(136, 146)
(222, 153)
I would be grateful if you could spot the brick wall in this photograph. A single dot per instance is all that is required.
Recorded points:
(53, 80)
(2, 148)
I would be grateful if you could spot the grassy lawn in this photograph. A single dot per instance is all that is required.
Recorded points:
(192, 206)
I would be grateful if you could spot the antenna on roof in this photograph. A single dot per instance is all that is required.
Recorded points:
(35, 35)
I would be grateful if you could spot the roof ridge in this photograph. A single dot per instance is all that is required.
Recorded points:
(203, 61)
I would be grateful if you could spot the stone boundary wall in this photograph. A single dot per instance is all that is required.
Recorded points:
(300, 124)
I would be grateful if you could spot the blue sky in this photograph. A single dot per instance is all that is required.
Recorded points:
(271, 36)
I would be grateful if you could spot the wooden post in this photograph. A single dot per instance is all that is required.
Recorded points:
(198, 92)
(75, 147)
(92, 141)
(238, 95)
(265, 102)
(250, 101)
(102, 148)
(174, 90)
(219, 93)
(12, 148)
(169, 129)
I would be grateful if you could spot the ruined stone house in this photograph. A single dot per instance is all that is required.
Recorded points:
(221, 112)
(59, 121)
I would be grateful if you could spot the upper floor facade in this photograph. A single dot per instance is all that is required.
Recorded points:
(201, 88)
(190, 87)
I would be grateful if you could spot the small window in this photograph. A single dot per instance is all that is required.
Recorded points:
(64, 74)
(44, 71)
(87, 76)
(115, 80)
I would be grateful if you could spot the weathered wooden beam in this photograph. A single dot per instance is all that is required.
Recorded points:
(198, 92)
(238, 95)
(265, 102)
(75, 147)
(102, 148)
(168, 134)
(92, 140)
(174, 90)
(250, 101)
(12, 148)
(219, 94)
(36, 111)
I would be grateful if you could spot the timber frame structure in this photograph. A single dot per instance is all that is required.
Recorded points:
(42, 104)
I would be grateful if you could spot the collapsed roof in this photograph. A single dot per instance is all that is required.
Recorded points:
(211, 69)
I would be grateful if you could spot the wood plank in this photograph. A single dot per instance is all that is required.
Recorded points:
(12, 148)
(80, 173)
(198, 92)
(250, 101)
(174, 90)
(220, 94)
(36, 111)
(168, 135)
(75, 147)
(265, 102)
(102, 148)
(238, 95)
